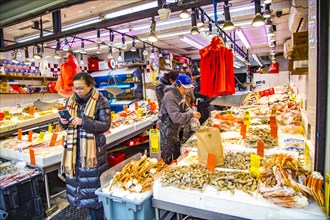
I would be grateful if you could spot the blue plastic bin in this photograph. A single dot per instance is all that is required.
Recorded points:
(121, 208)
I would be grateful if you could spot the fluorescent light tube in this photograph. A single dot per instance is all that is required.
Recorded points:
(159, 24)
(192, 42)
(255, 57)
(153, 4)
(241, 36)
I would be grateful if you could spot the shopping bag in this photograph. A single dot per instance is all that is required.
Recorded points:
(209, 141)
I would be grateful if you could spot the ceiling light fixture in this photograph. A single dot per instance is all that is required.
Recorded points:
(255, 57)
(228, 23)
(160, 53)
(98, 49)
(258, 19)
(152, 37)
(111, 38)
(120, 59)
(123, 42)
(267, 13)
(271, 39)
(98, 37)
(268, 23)
(184, 14)
(66, 46)
(82, 51)
(145, 52)
(27, 59)
(270, 31)
(81, 59)
(210, 33)
(194, 29)
(133, 48)
(152, 55)
(267, 1)
(57, 54)
(192, 42)
(110, 53)
(37, 53)
(242, 37)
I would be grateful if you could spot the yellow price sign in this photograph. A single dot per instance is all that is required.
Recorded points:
(228, 112)
(327, 193)
(154, 141)
(254, 165)
(50, 128)
(6, 112)
(306, 154)
(139, 112)
(128, 75)
(41, 136)
(128, 90)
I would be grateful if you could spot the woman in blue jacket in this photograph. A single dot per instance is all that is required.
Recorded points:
(85, 158)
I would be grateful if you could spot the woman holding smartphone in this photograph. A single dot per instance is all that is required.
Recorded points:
(84, 157)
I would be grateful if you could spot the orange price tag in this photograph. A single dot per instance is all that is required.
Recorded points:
(243, 130)
(261, 148)
(273, 119)
(211, 159)
(57, 128)
(30, 136)
(19, 135)
(53, 140)
(31, 110)
(274, 131)
(32, 157)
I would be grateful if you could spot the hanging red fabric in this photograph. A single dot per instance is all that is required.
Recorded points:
(216, 69)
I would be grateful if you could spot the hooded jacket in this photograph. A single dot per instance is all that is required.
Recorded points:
(175, 107)
(163, 82)
(81, 188)
(173, 114)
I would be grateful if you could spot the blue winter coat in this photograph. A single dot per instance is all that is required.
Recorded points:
(81, 188)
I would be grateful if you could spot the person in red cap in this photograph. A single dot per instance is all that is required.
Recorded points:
(173, 113)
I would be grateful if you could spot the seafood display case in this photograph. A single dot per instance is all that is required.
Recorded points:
(120, 84)
(286, 186)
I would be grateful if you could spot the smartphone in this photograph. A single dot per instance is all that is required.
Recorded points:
(65, 114)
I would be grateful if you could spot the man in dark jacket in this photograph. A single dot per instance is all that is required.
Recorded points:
(173, 114)
(167, 80)
(202, 101)
(85, 155)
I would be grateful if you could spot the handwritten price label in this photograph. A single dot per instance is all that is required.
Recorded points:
(255, 165)
(50, 128)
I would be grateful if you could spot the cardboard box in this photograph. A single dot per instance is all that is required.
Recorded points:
(300, 52)
(4, 87)
(299, 38)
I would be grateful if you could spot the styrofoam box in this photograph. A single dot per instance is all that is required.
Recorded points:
(240, 204)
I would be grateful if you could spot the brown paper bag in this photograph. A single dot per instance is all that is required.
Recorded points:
(209, 141)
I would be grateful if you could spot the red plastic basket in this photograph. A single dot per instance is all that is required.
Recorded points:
(116, 158)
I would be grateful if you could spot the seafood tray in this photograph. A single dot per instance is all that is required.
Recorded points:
(225, 202)
(23, 188)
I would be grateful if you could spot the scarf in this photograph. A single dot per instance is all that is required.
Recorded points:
(87, 140)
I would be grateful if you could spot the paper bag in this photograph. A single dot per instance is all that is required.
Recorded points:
(209, 141)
